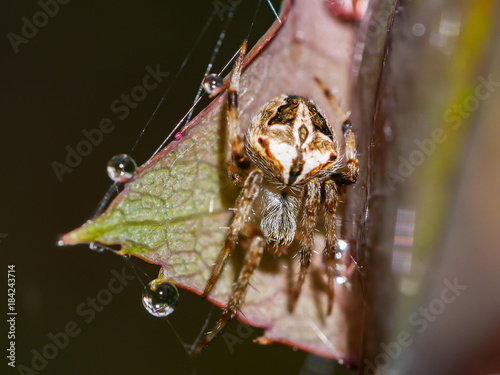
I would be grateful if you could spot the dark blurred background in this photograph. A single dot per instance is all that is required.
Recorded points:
(61, 81)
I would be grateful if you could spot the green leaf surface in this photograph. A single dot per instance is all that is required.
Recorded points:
(174, 211)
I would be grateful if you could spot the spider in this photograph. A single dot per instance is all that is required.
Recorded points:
(287, 160)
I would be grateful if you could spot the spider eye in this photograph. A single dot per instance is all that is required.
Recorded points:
(286, 113)
(318, 121)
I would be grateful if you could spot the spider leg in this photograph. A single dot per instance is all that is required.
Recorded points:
(239, 156)
(350, 174)
(345, 176)
(331, 200)
(311, 203)
(243, 208)
(252, 260)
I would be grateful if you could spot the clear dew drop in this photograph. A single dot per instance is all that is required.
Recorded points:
(121, 168)
(418, 29)
(340, 279)
(212, 82)
(160, 298)
(96, 247)
(343, 245)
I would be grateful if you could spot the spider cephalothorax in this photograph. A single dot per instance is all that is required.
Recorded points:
(288, 164)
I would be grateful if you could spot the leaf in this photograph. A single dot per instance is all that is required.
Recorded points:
(171, 213)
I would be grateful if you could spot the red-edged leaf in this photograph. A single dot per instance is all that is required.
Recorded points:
(171, 213)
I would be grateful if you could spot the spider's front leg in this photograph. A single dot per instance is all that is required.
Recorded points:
(252, 260)
(312, 195)
(243, 209)
(347, 176)
(240, 166)
(331, 200)
(350, 175)
(240, 161)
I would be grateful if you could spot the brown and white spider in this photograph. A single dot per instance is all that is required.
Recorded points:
(288, 159)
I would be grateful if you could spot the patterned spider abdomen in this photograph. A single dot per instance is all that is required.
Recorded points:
(291, 142)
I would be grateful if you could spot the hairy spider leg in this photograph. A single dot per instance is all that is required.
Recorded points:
(331, 200)
(239, 156)
(240, 164)
(312, 196)
(346, 176)
(252, 260)
(243, 208)
(350, 174)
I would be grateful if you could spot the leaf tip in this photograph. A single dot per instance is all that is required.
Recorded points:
(83, 234)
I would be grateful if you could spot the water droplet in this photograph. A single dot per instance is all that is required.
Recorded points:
(96, 247)
(160, 298)
(340, 279)
(418, 29)
(121, 168)
(343, 245)
(178, 136)
(212, 82)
